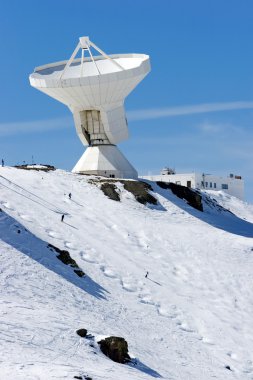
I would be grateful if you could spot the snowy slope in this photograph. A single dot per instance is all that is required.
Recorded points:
(235, 205)
(189, 319)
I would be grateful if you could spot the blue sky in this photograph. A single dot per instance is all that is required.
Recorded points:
(201, 53)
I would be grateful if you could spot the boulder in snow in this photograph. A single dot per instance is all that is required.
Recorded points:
(82, 333)
(115, 348)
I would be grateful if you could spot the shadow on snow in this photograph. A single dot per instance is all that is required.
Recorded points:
(215, 216)
(17, 236)
(137, 364)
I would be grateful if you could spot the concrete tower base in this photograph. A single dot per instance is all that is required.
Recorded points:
(106, 161)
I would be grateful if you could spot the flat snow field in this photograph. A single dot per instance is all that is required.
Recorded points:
(191, 318)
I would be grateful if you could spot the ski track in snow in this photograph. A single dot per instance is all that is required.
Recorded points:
(195, 310)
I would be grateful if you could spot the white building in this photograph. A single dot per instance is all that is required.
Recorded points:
(233, 184)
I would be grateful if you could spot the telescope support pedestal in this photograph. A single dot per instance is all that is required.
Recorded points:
(106, 161)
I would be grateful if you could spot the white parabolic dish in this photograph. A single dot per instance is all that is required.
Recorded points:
(94, 88)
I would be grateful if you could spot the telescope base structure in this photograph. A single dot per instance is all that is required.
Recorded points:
(105, 161)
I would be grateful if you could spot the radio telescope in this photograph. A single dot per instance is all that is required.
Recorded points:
(94, 88)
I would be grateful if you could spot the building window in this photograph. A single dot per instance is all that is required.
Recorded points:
(211, 184)
(224, 186)
(214, 185)
(206, 184)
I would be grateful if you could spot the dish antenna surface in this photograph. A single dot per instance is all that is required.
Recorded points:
(94, 88)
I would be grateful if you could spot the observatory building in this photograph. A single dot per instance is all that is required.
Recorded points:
(232, 184)
(94, 88)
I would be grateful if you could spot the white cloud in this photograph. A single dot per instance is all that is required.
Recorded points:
(142, 114)
(155, 113)
(210, 128)
(214, 128)
(35, 126)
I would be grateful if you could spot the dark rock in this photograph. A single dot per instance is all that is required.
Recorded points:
(79, 272)
(44, 168)
(78, 377)
(228, 367)
(140, 190)
(109, 189)
(63, 256)
(18, 231)
(66, 259)
(115, 348)
(82, 333)
(192, 197)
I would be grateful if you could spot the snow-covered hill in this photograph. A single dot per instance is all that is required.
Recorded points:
(190, 319)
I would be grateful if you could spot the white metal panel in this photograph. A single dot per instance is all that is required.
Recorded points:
(105, 160)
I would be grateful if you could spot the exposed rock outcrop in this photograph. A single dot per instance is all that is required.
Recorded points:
(192, 197)
(140, 190)
(110, 190)
(65, 258)
(40, 167)
(115, 348)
